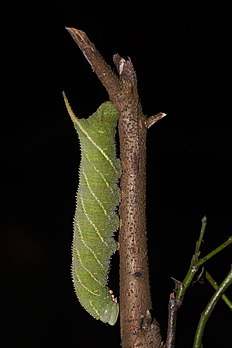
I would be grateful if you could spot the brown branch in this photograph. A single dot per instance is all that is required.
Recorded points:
(172, 314)
(137, 329)
(103, 71)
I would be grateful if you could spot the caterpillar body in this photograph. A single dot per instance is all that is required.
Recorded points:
(96, 218)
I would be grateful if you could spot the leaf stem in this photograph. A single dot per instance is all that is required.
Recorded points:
(194, 265)
(214, 252)
(209, 308)
(216, 287)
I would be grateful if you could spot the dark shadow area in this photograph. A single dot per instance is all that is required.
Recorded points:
(183, 65)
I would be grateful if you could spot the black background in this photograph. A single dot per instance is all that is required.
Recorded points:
(183, 62)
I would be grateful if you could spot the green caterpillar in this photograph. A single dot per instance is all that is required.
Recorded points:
(96, 219)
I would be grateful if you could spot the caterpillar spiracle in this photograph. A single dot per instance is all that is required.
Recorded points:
(96, 218)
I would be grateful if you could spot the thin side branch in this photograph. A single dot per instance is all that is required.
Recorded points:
(209, 308)
(193, 266)
(216, 287)
(214, 252)
(172, 314)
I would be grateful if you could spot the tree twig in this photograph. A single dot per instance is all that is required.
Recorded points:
(137, 328)
(172, 313)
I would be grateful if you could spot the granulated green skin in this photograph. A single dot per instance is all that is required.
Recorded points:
(96, 219)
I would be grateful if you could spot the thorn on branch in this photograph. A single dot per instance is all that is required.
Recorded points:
(153, 119)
